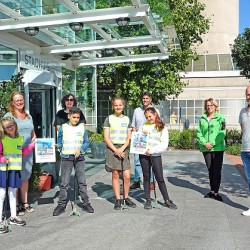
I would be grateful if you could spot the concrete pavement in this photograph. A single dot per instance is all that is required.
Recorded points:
(198, 223)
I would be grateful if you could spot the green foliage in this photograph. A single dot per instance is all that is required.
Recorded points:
(234, 149)
(6, 88)
(34, 179)
(96, 137)
(241, 52)
(174, 136)
(186, 139)
(233, 136)
(163, 79)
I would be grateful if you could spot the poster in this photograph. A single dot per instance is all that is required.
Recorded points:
(139, 143)
(45, 150)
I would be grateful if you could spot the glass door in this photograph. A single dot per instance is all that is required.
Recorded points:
(37, 103)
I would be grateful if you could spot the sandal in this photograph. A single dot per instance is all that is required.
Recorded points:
(27, 207)
(20, 210)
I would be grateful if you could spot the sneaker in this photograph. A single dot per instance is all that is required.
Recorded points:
(135, 185)
(246, 213)
(209, 195)
(88, 208)
(147, 204)
(27, 208)
(20, 211)
(59, 210)
(152, 186)
(218, 197)
(17, 221)
(170, 204)
(130, 203)
(118, 204)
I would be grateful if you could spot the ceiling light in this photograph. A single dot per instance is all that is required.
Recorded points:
(143, 47)
(109, 51)
(77, 26)
(65, 56)
(123, 21)
(76, 53)
(127, 63)
(32, 31)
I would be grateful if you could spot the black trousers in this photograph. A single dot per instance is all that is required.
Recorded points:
(156, 163)
(214, 162)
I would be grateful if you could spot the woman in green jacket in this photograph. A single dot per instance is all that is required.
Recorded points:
(211, 137)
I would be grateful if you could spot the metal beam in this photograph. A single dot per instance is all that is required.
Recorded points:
(63, 19)
(121, 59)
(100, 45)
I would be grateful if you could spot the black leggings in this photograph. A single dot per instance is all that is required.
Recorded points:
(156, 164)
(214, 162)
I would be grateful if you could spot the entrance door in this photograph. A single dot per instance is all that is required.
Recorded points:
(37, 111)
(41, 110)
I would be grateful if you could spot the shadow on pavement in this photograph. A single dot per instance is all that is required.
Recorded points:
(232, 181)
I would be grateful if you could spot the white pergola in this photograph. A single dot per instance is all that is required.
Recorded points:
(54, 46)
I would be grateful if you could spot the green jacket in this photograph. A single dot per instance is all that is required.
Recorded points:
(213, 131)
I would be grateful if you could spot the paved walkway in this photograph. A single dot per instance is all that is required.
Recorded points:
(198, 223)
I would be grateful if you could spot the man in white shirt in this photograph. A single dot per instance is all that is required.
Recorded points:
(137, 123)
(244, 120)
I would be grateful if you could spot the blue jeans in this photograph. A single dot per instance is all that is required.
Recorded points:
(66, 169)
(138, 169)
(245, 156)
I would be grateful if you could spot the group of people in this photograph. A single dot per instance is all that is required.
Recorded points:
(17, 141)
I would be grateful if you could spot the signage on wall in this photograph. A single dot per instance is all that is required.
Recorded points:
(34, 62)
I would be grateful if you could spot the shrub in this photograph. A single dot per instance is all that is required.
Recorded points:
(34, 179)
(234, 149)
(96, 137)
(174, 136)
(186, 139)
(233, 137)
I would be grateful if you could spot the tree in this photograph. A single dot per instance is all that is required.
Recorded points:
(161, 79)
(241, 52)
(6, 88)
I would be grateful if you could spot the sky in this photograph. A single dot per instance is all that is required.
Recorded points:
(244, 15)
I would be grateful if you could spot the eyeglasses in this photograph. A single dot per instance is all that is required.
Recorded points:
(17, 101)
(69, 100)
(208, 106)
(12, 125)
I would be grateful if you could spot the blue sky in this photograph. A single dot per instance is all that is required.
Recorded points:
(244, 15)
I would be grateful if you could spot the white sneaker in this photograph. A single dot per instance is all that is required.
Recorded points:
(246, 213)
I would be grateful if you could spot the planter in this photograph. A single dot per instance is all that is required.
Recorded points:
(98, 149)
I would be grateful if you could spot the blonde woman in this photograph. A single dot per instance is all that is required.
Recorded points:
(211, 134)
(25, 126)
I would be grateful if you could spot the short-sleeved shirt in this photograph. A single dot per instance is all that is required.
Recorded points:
(139, 118)
(244, 120)
(62, 117)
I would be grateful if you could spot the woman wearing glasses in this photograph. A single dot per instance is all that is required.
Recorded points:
(67, 102)
(25, 126)
(211, 134)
